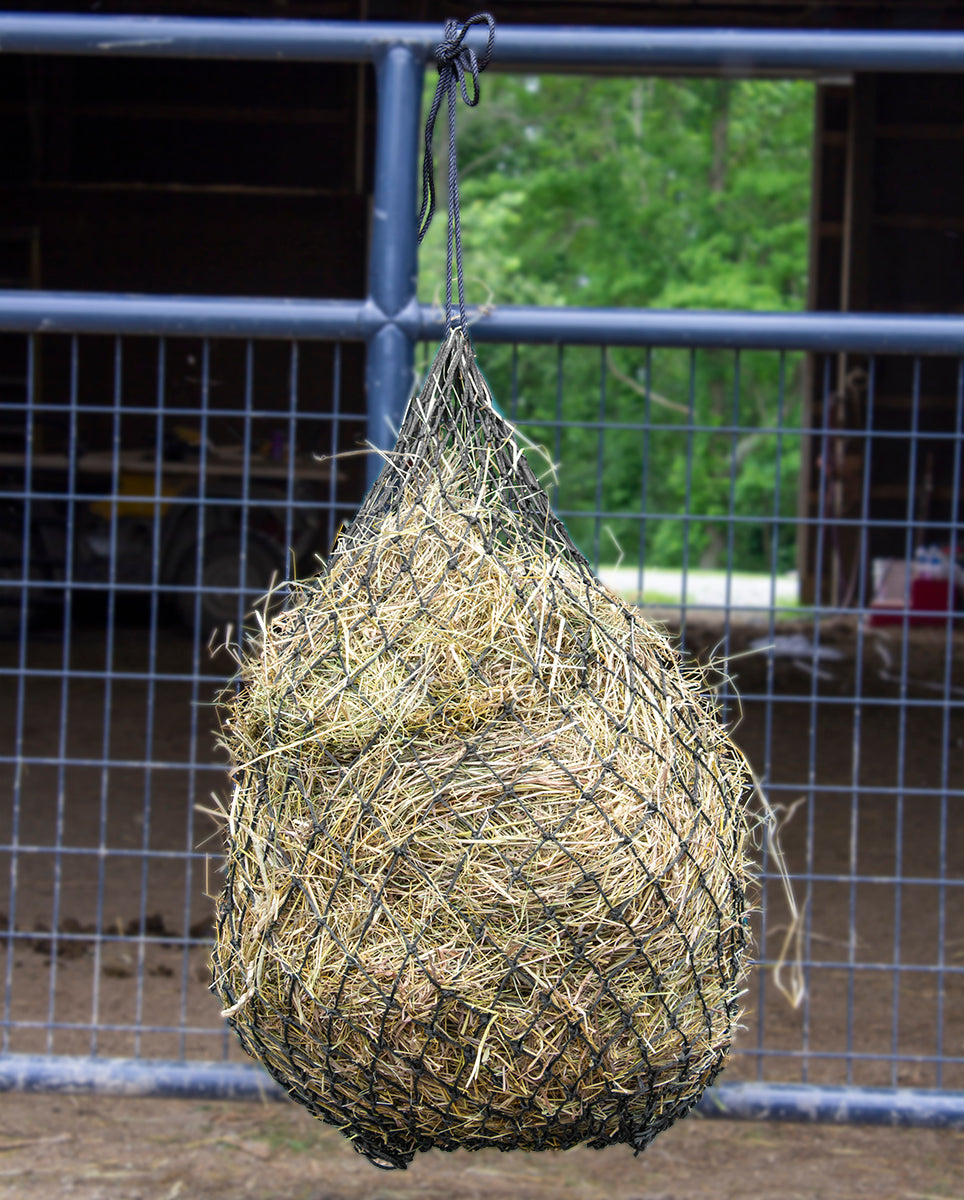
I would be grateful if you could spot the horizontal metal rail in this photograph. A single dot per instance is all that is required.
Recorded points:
(240, 1081)
(358, 320)
(860, 332)
(734, 51)
(921, 1107)
(187, 316)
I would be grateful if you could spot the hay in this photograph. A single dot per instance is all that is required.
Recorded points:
(487, 849)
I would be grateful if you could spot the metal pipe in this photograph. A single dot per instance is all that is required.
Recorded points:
(242, 1081)
(353, 320)
(835, 1105)
(734, 51)
(136, 1077)
(389, 374)
(394, 251)
(858, 332)
(23, 311)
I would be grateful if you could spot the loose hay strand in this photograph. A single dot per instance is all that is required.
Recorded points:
(487, 852)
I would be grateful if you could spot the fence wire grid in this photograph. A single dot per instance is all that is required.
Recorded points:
(154, 481)
(852, 715)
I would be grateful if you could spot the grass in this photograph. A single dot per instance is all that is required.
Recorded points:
(655, 599)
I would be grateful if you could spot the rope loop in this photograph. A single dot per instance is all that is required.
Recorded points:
(457, 64)
(452, 55)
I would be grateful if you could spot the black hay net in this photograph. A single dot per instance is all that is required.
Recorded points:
(487, 848)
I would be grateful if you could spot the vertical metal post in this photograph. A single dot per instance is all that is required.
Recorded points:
(393, 269)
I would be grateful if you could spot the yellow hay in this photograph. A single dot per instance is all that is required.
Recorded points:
(487, 849)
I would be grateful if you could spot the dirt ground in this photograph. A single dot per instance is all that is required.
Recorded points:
(114, 851)
(114, 1149)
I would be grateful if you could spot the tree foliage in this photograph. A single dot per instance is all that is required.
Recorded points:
(663, 193)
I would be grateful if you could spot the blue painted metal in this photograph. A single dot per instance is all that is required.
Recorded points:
(835, 1105)
(355, 320)
(201, 1080)
(736, 51)
(389, 376)
(76, 1075)
(201, 316)
(857, 332)
(394, 251)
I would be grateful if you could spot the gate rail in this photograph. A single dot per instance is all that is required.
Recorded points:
(391, 321)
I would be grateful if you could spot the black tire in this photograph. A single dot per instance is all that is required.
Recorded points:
(222, 604)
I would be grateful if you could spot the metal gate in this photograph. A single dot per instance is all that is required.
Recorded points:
(105, 748)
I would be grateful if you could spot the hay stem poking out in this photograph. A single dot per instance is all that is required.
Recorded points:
(487, 848)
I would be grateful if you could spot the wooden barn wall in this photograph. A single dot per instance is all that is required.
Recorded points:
(183, 177)
(888, 236)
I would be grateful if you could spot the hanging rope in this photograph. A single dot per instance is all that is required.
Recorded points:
(456, 61)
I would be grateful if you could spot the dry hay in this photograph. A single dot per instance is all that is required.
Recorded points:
(487, 849)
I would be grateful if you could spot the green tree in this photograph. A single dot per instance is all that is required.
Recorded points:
(663, 193)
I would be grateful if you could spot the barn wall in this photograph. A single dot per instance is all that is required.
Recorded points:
(888, 236)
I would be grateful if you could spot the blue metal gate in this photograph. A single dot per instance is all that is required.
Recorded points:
(92, 1001)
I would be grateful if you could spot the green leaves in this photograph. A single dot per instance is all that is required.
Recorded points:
(663, 193)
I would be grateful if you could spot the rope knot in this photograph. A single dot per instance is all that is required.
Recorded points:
(457, 63)
(456, 60)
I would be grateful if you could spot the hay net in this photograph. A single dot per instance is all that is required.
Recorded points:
(486, 867)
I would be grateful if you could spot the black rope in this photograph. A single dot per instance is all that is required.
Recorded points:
(455, 62)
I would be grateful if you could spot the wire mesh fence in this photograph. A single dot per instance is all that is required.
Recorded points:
(806, 535)
(793, 513)
(152, 491)
(151, 488)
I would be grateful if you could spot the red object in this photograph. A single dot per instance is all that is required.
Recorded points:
(930, 602)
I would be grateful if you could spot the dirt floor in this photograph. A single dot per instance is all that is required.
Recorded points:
(115, 854)
(114, 1149)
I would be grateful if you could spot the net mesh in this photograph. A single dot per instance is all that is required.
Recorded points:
(487, 848)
